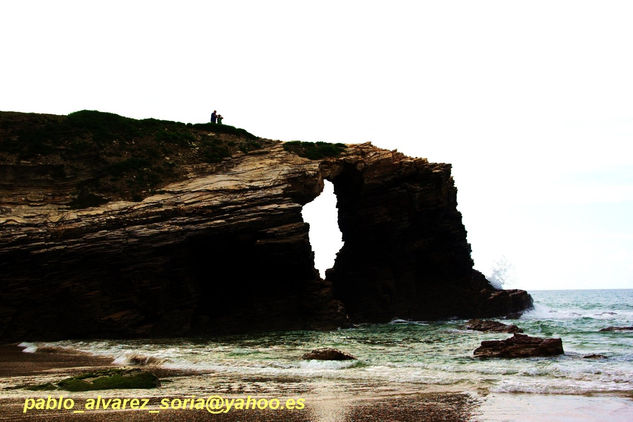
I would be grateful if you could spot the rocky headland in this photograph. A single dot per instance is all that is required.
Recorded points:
(115, 227)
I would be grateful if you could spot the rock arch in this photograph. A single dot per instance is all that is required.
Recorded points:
(229, 251)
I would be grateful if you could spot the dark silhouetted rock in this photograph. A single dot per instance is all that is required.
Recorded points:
(327, 354)
(520, 346)
(617, 329)
(494, 326)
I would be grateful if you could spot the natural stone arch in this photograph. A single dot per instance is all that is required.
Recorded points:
(226, 250)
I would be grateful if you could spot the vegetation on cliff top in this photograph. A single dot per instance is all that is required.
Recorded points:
(105, 157)
(314, 150)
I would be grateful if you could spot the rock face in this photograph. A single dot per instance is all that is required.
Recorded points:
(494, 326)
(520, 346)
(225, 249)
(327, 354)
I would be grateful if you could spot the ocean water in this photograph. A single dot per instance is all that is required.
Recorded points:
(406, 355)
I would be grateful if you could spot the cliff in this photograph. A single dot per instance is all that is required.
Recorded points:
(115, 227)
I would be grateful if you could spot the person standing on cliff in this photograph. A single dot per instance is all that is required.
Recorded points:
(214, 116)
(220, 119)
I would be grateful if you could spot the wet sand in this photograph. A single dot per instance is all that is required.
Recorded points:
(554, 408)
(14, 362)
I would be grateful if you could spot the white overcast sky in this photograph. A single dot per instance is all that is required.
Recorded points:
(531, 101)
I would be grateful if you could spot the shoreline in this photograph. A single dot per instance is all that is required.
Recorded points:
(20, 368)
(400, 403)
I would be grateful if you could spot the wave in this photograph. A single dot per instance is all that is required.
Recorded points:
(28, 347)
(406, 321)
(43, 348)
(331, 364)
(545, 312)
(136, 359)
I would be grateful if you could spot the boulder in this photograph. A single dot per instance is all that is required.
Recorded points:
(520, 346)
(327, 354)
(494, 326)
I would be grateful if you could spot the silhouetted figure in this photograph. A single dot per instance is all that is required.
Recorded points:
(220, 119)
(214, 117)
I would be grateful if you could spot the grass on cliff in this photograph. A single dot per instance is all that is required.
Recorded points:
(105, 157)
(314, 150)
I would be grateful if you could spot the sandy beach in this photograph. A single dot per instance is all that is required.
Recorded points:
(446, 407)
(19, 368)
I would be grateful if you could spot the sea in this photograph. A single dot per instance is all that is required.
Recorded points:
(405, 356)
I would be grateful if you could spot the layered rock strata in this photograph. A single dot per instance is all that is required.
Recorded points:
(226, 250)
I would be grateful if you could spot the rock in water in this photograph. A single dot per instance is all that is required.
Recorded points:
(520, 346)
(486, 325)
(327, 354)
(617, 329)
(594, 356)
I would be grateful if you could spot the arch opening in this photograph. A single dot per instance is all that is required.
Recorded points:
(325, 235)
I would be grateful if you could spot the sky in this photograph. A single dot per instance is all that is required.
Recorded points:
(531, 102)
